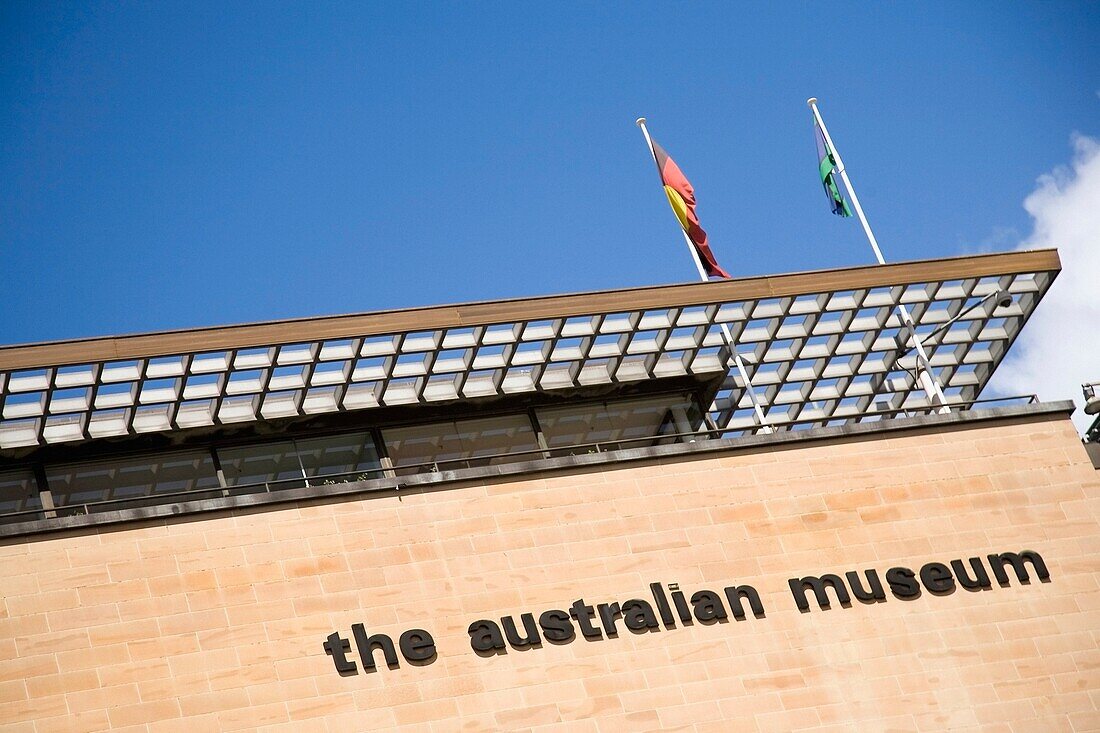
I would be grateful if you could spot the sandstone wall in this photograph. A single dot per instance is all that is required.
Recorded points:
(216, 622)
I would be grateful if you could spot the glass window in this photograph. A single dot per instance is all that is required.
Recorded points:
(619, 420)
(290, 462)
(77, 483)
(257, 464)
(461, 443)
(18, 493)
(340, 454)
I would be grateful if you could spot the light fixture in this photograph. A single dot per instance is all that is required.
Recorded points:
(1092, 399)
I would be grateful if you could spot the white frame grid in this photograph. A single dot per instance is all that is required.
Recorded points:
(820, 357)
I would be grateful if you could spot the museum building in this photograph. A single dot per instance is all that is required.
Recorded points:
(555, 513)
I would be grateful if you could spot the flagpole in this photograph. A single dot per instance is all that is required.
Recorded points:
(727, 336)
(927, 378)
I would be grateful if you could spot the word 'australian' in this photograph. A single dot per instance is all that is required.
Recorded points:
(594, 622)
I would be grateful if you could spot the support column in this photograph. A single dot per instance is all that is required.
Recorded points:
(45, 496)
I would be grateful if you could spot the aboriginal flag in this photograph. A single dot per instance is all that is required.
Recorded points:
(682, 198)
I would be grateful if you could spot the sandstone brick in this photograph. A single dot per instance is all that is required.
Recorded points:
(143, 713)
(212, 702)
(154, 607)
(84, 721)
(35, 644)
(102, 698)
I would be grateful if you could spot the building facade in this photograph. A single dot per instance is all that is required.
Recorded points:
(556, 514)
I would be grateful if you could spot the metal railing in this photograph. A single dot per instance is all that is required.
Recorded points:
(469, 462)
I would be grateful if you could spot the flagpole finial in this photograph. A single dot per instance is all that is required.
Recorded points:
(811, 101)
(640, 121)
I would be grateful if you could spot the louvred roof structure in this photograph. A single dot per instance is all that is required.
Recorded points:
(822, 348)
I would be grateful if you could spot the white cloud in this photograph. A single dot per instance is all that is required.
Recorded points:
(1000, 239)
(1059, 348)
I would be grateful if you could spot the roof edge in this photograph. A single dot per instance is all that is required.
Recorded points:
(250, 335)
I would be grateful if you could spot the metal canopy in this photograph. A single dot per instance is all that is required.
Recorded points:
(821, 348)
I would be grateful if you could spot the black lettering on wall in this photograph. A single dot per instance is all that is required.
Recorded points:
(517, 641)
(662, 605)
(584, 615)
(417, 646)
(903, 582)
(981, 578)
(704, 606)
(708, 606)
(638, 615)
(682, 608)
(874, 593)
(937, 578)
(998, 562)
(556, 626)
(366, 646)
(338, 647)
(818, 585)
(734, 594)
(608, 612)
(485, 636)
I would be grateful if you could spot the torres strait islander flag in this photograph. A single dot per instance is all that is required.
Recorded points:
(682, 198)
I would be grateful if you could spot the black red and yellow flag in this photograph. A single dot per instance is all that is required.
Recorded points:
(681, 196)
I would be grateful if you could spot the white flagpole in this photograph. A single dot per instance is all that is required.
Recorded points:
(727, 336)
(927, 379)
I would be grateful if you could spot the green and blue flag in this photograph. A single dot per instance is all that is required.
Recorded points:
(826, 168)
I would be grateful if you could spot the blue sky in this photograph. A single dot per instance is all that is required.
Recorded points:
(165, 165)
